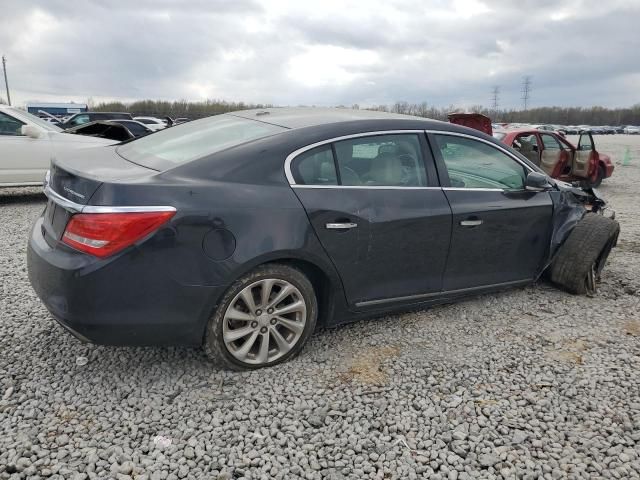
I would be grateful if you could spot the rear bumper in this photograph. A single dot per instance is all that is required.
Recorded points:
(126, 300)
(608, 169)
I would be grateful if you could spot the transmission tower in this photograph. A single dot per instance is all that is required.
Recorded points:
(526, 91)
(495, 97)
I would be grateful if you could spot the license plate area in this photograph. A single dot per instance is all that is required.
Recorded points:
(55, 220)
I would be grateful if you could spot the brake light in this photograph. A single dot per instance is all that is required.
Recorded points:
(103, 234)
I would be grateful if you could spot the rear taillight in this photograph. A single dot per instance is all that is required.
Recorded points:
(103, 234)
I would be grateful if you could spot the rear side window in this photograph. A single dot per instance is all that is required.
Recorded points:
(315, 167)
(381, 160)
(193, 140)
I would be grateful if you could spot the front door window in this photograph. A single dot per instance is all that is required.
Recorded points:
(473, 164)
(585, 143)
(9, 125)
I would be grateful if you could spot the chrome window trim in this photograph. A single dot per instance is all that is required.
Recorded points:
(478, 139)
(79, 208)
(294, 154)
(462, 189)
(365, 187)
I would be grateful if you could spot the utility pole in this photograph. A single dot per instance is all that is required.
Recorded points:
(6, 82)
(526, 91)
(495, 98)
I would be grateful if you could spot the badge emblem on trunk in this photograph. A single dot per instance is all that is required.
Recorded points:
(68, 190)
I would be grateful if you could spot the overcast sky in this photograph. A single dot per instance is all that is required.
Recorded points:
(329, 52)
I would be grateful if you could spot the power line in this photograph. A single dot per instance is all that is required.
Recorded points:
(526, 91)
(6, 82)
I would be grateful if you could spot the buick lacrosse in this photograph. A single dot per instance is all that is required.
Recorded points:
(243, 232)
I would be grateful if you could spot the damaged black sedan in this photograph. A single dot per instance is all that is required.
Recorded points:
(245, 231)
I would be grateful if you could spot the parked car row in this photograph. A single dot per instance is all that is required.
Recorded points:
(28, 142)
(82, 118)
(573, 129)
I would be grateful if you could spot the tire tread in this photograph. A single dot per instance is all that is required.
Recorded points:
(582, 248)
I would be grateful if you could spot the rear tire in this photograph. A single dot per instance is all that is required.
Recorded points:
(581, 258)
(599, 178)
(252, 327)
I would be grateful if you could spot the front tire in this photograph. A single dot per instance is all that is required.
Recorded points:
(265, 318)
(581, 258)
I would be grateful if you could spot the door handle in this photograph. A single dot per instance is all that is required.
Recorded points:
(471, 223)
(340, 226)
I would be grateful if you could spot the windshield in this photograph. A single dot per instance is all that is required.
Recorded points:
(37, 120)
(190, 141)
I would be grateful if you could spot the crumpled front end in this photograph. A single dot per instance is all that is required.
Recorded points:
(570, 205)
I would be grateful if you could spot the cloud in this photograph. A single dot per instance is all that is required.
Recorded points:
(579, 52)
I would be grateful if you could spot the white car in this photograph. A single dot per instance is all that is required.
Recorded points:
(28, 143)
(631, 130)
(152, 123)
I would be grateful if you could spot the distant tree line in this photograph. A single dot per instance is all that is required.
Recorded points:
(175, 109)
(554, 115)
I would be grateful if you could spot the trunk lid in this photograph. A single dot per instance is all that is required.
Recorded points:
(78, 175)
(74, 179)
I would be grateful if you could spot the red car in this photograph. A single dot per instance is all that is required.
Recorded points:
(549, 150)
(558, 157)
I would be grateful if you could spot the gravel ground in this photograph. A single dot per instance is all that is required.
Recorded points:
(531, 383)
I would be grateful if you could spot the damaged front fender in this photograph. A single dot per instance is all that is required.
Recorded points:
(570, 205)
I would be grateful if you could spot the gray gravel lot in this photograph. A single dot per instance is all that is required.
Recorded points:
(531, 383)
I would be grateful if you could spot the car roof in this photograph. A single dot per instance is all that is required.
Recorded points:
(301, 117)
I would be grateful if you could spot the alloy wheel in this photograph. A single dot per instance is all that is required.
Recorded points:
(264, 321)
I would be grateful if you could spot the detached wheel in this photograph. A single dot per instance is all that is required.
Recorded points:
(580, 260)
(265, 318)
(599, 178)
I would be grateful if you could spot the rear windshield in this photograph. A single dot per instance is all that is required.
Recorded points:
(189, 141)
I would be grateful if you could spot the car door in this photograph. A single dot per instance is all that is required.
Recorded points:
(500, 231)
(555, 159)
(23, 160)
(379, 214)
(585, 162)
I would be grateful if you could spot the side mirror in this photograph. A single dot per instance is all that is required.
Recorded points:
(537, 182)
(30, 131)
